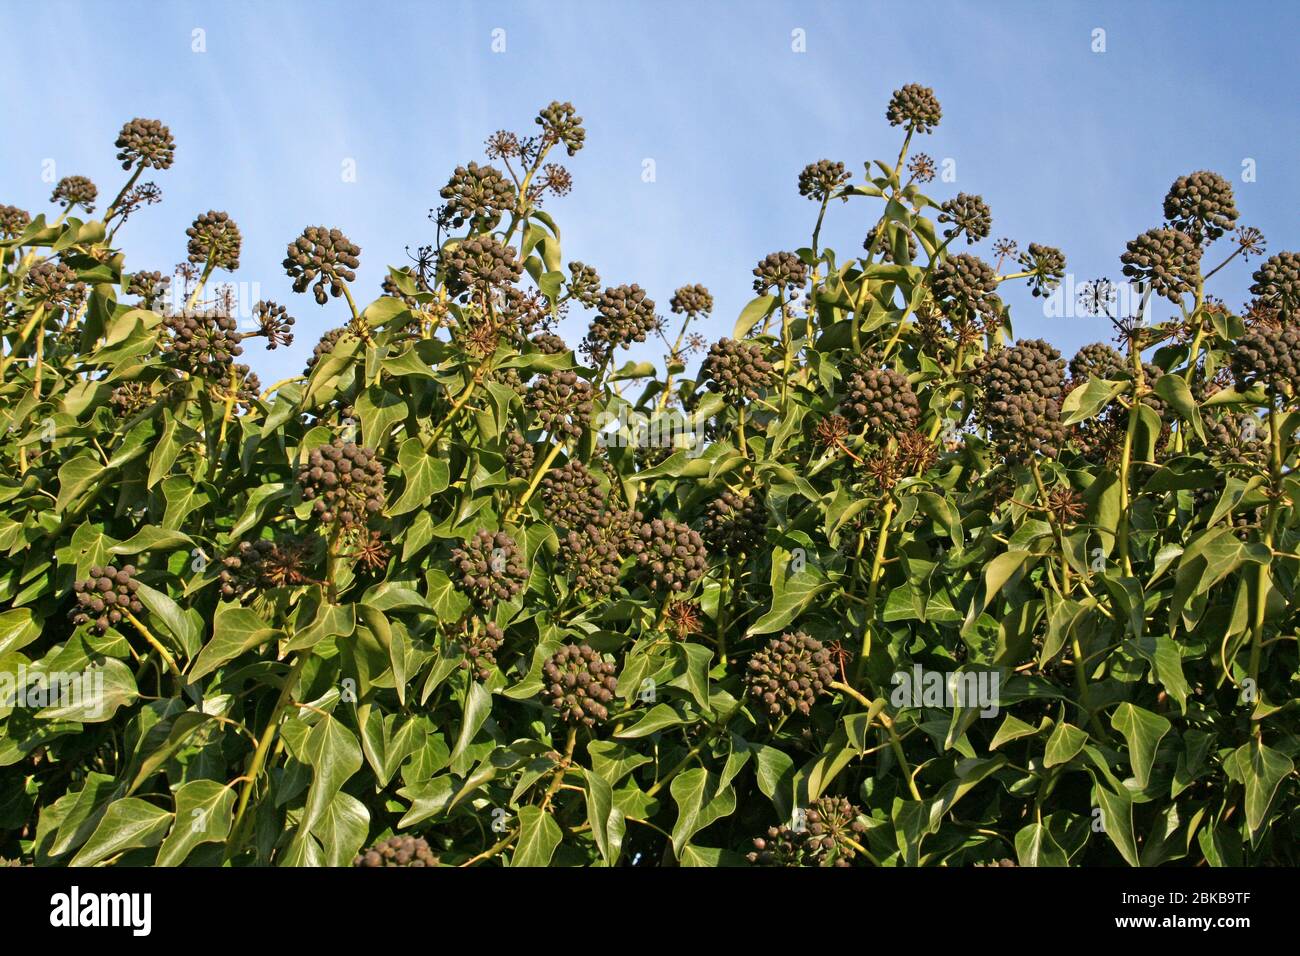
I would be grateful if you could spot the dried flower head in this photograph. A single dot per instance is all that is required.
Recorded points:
(921, 167)
(273, 322)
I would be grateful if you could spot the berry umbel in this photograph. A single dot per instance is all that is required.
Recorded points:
(737, 371)
(561, 403)
(398, 851)
(73, 191)
(146, 142)
(491, 567)
(106, 597)
(915, 107)
(1167, 260)
(214, 238)
(789, 674)
(671, 555)
(344, 482)
(579, 684)
(322, 256)
(1201, 204)
(967, 216)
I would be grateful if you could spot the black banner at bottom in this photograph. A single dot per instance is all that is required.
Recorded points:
(134, 907)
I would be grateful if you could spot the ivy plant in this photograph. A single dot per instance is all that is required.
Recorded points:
(867, 582)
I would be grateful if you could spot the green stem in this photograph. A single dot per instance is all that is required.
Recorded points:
(681, 765)
(157, 646)
(787, 345)
(475, 380)
(108, 214)
(895, 743)
(226, 414)
(558, 777)
(492, 851)
(1057, 531)
(915, 300)
(263, 748)
(723, 587)
(517, 508)
(1126, 461)
(332, 562)
(1270, 528)
(279, 385)
(9, 356)
(1180, 439)
(363, 331)
(208, 268)
(873, 586)
(895, 179)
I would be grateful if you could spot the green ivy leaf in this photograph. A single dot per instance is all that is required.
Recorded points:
(334, 755)
(203, 815)
(539, 835)
(235, 631)
(425, 475)
(127, 823)
(1143, 730)
(1064, 744)
(1261, 770)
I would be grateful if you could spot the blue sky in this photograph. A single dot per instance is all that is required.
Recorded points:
(1069, 147)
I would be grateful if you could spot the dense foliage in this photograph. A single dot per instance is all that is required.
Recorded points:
(462, 594)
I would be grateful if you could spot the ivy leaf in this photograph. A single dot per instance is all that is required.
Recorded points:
(18, 628)
(606, 820)
(183, 496)
(1066, 742)
(997, 573)
(127, 823)
(1261, 770)
(1087, 401)
(794, 586)
(425, 476)
(1174, 390)
(179, 625)
(696, 658)
(334, 754)
(613, 760)
(659, 717)
(331, 620)
(447, 601)
(478, 705)
(1117, 819)
(99, 691)
(380, 410)
(539, 835)
(1012, 728)
(235, 631)
(342, 829)
(754, 312)
(632, 370)
(1035, 847)
(775, 775)
(1143, 730)
(255, 506)
(203, 815)
(76, 476)
(699, 803)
